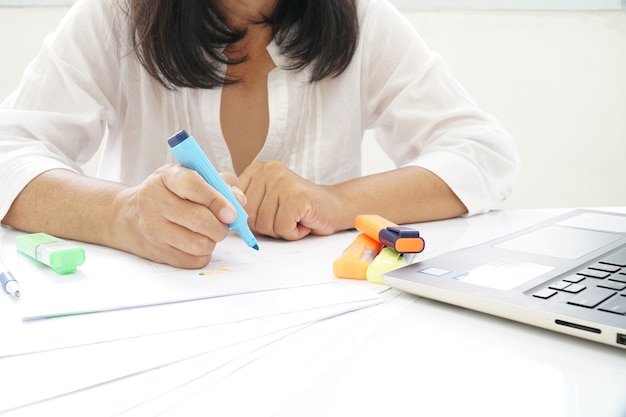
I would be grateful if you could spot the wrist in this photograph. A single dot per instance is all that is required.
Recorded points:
(346, 206)
(118, 219)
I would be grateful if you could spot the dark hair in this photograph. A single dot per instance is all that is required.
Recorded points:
(180, 42)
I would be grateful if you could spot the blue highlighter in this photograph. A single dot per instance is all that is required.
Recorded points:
(189, 155)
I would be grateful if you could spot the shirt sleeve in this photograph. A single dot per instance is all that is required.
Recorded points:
(422, 116)
(58, 115)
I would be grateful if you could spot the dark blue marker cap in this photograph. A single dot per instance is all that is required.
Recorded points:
(397, 232)
(177, 138)
(402, 239)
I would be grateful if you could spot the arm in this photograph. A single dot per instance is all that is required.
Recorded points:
(422, 116)
(405, 195)
(284, 205)
(56, 120)
(173, 217)
(453, 158)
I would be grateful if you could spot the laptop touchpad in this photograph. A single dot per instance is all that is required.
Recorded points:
(561, 242)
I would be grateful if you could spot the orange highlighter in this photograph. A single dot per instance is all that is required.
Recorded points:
(401, 238)
(355, 260)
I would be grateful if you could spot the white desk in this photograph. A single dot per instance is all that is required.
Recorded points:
(416, 357)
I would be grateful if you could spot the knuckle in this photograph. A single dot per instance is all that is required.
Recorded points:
(191, 182)
(273, 166)
(200, 220)
(230, 178)
(187, 261)
(182, 181)
(283, 231)
(264, 227)
(200, 246)
(221, 232)
(197, 217)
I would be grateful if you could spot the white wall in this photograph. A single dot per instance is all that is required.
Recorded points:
(21, 34)
(555, 79)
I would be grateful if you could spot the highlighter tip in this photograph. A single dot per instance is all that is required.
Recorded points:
(255, 247)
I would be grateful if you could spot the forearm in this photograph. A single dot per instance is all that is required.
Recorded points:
(405, 195)
(67, 204)
(172, 217)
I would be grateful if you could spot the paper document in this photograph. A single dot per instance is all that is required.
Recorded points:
(49, 376)
(84, 329)
(111, 279)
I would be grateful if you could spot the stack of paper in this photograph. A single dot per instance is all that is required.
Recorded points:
(127, 336)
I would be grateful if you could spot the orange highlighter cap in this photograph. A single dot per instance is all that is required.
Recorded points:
(401, 238)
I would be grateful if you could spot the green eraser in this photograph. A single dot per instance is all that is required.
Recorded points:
(60, 255)
(387, 260)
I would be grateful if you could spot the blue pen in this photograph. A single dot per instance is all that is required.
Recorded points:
(189, 155)
(8, 281)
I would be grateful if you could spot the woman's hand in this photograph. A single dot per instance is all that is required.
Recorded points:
(174, 217)
(284, 205)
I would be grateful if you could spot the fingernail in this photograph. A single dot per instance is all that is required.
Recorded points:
(226, 215)
(240, 193)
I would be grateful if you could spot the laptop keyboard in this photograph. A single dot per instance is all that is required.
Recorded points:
(600, 285)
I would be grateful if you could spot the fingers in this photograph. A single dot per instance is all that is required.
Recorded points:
(177, 218)
(279, 216)
(177, 246)
(188, 185)
(231, 179)
(278, 200)
(262, 207)
(180, 217)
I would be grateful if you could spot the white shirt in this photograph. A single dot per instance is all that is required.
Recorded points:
(87, 85)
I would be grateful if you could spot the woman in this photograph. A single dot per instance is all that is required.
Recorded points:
(277, 92)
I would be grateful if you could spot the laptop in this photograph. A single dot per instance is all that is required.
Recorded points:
(566, 274)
